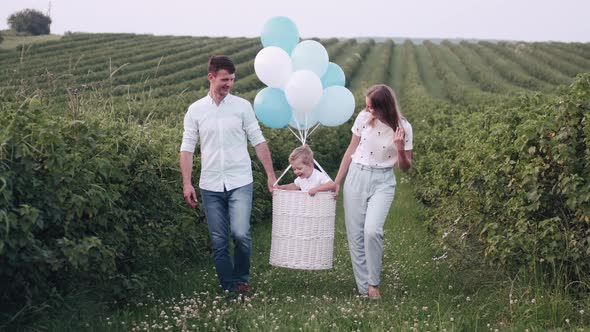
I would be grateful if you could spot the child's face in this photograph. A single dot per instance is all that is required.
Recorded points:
(301, 170)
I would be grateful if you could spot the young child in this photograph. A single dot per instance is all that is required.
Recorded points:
(308, 178)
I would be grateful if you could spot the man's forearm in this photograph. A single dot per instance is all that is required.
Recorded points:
(186, 167)
(263, 154)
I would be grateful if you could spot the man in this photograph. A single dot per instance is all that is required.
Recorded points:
(224, 123)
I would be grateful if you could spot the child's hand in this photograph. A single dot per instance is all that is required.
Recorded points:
(312, 191)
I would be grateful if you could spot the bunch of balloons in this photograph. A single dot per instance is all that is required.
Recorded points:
(303, 87)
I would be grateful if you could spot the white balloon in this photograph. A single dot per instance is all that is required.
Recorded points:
(303, 90)
(273, 66)
(303, 121)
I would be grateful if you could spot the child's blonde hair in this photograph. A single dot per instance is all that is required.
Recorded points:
(302, 153)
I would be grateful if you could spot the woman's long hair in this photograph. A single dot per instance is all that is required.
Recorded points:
(385, 105)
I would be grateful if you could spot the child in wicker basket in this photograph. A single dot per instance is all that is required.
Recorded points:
(308, 178)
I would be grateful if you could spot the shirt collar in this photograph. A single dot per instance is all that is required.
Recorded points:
(225, 99)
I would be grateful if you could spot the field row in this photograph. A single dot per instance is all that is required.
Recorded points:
(167, 66)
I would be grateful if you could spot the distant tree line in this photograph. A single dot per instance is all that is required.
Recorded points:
(30, 21)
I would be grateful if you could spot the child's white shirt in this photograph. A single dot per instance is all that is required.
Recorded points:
(315, 179)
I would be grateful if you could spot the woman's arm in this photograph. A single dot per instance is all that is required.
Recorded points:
(404, 157)
(346, 160)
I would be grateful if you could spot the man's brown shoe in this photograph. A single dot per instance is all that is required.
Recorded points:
(243, 288)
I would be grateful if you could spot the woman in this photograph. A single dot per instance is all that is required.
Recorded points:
(381, 137)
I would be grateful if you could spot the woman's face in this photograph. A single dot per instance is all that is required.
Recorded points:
(369, 106)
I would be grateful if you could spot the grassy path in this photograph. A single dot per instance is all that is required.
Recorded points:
(419, 293)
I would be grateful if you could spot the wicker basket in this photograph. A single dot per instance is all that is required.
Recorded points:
(302, 230)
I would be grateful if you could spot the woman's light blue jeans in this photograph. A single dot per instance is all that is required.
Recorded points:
(228, 215)
(368, 193)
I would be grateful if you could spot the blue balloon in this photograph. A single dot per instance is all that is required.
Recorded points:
(271, 108)
(333, 76)
(310, 55)
(280, 31)
(335, 107)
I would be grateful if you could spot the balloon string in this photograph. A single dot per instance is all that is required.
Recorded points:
(321, 169)
(294, 133)
(313, 129)
(280, 177)
(301, 138)
(305, 130)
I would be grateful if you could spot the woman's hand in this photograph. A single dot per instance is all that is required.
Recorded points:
(399, 138)
(336, 190)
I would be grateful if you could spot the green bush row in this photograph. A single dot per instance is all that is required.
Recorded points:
(511, 181)
(88, 199)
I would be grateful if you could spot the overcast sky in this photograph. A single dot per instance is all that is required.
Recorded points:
(527, 20)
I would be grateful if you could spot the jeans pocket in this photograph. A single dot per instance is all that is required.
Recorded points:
(351, 177)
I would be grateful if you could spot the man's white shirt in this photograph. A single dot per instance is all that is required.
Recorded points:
(223, 132)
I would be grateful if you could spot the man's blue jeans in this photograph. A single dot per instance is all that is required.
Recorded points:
(228, 214)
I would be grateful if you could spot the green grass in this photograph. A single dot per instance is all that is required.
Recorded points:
(420, 292)
(12, 40)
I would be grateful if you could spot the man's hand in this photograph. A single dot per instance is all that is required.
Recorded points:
(263, 154)
(271, 181)
(190, 196)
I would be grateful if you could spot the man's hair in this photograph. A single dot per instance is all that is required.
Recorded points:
(302, 153)
(218, 62)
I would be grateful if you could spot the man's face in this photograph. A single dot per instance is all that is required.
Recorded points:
(221, 82)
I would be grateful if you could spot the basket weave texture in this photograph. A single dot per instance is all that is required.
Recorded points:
(302, 230)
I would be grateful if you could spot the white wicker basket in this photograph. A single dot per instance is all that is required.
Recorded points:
(302, 230)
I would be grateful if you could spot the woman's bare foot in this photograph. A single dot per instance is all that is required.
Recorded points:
(374, 293)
